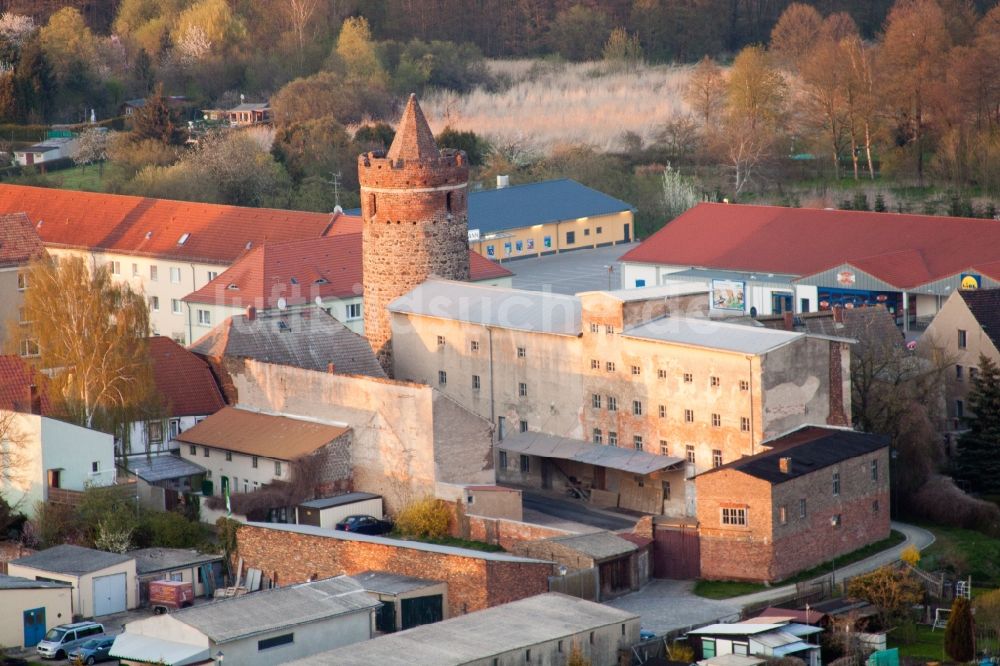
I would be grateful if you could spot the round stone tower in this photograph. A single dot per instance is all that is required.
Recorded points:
(414, 200)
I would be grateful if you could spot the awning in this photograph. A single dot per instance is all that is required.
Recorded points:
(563, 448)
(147, 649)
(791, 648)
(161, 467)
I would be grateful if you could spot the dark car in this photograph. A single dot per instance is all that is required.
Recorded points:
(364, 525)
(93, 651)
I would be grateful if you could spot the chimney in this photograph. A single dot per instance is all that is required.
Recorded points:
(35, 400)
(503, 181)
(330, 367)
(785, 465)
(251, 313)
(789, 320)
(838, 314)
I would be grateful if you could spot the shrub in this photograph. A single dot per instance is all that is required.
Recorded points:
(987, 607)
(958, 638)
(942, 502)
(427, 518)
(170, 529)
(910, 555)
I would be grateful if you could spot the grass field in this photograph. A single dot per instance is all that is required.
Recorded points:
(76, 178)
(966, 552)
(919, 643)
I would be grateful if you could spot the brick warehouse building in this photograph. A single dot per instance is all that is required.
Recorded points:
(818, 493)
(476, 580)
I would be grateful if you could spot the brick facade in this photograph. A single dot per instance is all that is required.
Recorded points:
(474, 583)
(414, 201)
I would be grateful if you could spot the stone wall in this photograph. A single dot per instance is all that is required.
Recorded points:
(474, 583)
(501, 532)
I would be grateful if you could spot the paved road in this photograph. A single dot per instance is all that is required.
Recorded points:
(575, 512)
(666, 605)
(570, 272)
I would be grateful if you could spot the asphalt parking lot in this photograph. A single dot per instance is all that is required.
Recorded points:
(571, 272)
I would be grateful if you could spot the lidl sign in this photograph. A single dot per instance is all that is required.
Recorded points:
(971, 281)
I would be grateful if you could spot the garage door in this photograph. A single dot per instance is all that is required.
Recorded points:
(109, 594)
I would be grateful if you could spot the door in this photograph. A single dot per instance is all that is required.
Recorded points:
(385, 617)
(628, 233)
(34, 626)
(422, 610)
(109, 594)
(676, 552)
(781, 303)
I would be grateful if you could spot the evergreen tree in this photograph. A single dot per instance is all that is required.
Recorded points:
(34, 84)
(958, 634)
(978, 460)
(156, 120)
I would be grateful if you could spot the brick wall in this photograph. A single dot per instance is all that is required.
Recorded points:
(838, 411)
(500, 531)
(473, 583)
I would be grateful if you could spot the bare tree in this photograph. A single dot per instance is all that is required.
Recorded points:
(13, 443)
(706, 91)
(299, 14)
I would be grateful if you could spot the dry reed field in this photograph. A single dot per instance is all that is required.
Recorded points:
(550, 104)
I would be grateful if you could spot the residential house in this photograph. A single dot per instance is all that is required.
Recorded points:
(103, 583)
(543, 629)
(202, 570)
(50, 150)
(814, 494)
(52, 460)
(29, 608)
(19, 244)
(752, 638)
(269, 627)
(241, 115)
(407, 602)
(161, 481)
(245, 451)
(534, 219)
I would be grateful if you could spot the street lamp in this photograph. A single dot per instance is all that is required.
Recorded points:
(219, 656)
(611, 272)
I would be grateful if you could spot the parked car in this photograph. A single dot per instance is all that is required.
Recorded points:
(93, 651)
(61, 639)
(364, 525)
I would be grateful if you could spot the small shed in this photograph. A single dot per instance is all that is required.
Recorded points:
(103, 583)
(406, 601)
(329, 511)
(616, 560)
(29, 608)
(203, 571)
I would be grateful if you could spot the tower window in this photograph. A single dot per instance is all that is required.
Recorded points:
(372, 204)
(447, 201)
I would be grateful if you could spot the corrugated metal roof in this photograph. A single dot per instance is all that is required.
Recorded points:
(390, 583)
(19, 583)
(536, 311)
(551, 446)
(70, 559)
(149, 560)
(161, 467)
(157, 650)
(735, 629)
(703, 332)
(339, 500)
(538, 203)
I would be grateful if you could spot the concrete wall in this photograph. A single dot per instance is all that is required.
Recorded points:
(600, 646)
(486, 501)
(308, 639)
(83, 586)
(13, 603)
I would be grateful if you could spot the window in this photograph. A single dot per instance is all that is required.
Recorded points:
(175, 306)
(959, 373)
(973, 373)
(612, 404)
(802, 508)
(962, 339)
(22, 281)
(521, 352)
(744, 385)
(610, 366)
(595, 364)
(636, 370)
(353, 311)
(689, 453)
(598, 436)
(474, 346)
(745, 424)
(715, 382)
(874, 506)
(666, 490)
(664, 448)
(277, 468)
(22, 317)
(688, 378)
(716, 458)
(275, 641)
(154, 273)
(586, 232)
(501, 427)
(835, 520)
(959, 408)
(612, 438)
(95, 467)
(609, 329)
(253, 462)
(707, 648)
(716, 420)
(475, 382)
(115, 267)
(154, 303)
(874, 470)
(193, 450)
(836, 483)
(154, 432)
(441, 340)
(175, 275)
(637, 408)
(522, 390)
(175, 428)
(525, 464)
(522, 425)
(741, 648)
(595, 328)
(661, 374)
(29, 347)
(595, 401)
(442, 377)
(527, 655)
(782, 514)
(135, 270)
(212, 275)
(637, 442)
(663, 411)
(731, 516)
(204, 451)
(570, 237)
(502, 459)
(689, 416)
(229, 456)
(204, 318)
(599, 230)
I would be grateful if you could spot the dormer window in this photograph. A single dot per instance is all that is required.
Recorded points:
(321, 281)
(294, 280)
(183, 239)
(232, 286)
(149, 234)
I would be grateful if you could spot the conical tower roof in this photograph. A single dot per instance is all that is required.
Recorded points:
(414, 140)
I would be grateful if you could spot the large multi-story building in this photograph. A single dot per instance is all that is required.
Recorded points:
(19, 243)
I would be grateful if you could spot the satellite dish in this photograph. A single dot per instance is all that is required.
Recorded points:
(319, 301)
(282, 303)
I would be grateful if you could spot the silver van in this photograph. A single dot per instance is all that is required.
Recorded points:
(60, 640)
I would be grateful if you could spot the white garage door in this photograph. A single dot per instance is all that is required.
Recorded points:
(109, 594)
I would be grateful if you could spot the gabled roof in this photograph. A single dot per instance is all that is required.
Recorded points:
(16, 379)
(867, 324)
(901, 249)
(414, 139)
(184, 380)
(810, 448)
(299, 271)
(19, 242)
(303, 338)
(538, 203)
(71, 560)
(256, 434)
(984, 304)
(180, 230)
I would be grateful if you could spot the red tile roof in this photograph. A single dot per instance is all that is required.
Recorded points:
(299, 271)
(16, 378)
(903, 250)
(183, 379)
(19, 242)
(155, 227)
